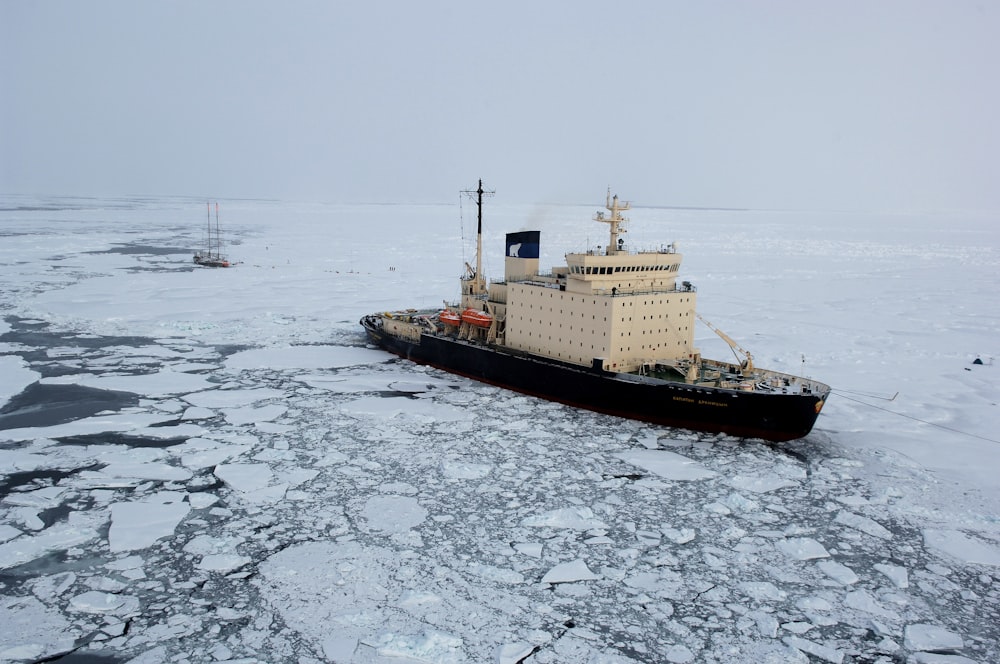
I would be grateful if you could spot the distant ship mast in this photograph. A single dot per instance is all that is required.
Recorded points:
(616, 220)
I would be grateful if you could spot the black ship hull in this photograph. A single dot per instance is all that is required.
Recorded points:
(748, 414)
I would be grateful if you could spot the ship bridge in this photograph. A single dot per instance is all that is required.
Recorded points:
(645, 271)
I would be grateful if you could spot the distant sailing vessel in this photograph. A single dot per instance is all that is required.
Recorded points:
(212, 256)
(612, 331)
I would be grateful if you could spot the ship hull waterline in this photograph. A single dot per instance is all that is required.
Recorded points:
(774, 417)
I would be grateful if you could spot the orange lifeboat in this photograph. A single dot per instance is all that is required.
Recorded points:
(449, 317)
(477, 317)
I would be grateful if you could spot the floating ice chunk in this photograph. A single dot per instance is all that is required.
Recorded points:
(156, 655)
(48, 587)
(304, 357)
(339, 648)
(570, 572)
(94, 601)
(431, 646)
(767, 624)
(465, 471)
(533, 549)
(864, 524)
(937, 658)
(797, 627)
(512, 653)
(666, 464)
(122, 422)
(137, 524)
(163, 383)
(43, 498)
(802, 548)
(822, 652)
(679, 535)
(393, 514)
(197, 413)
(498, 574)
(224, 563)
(959, 545)
(575, 518)
(14, 376)
(58, 537)
(245, 477)
(921, 636)
(126, 563)
(139, 470)
(840, 573)
(381, 407)
(31, 631)
(679, 654)
(762, 591)
(231, 398)
(898, 575)
(198, 453)
(27, 517)
(864, 601)
(741, 503)
(760, 483)
(419, 600)
(249, 415)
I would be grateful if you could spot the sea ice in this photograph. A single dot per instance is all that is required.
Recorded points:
(840, 573)
(249, 415)
(669, 465)
(304, 357)
(32, 631)
(575, 518)
(898, 575)
(802, 548)
(393, 514)
(57, 537)
(464, 470)
(760, 483)
(245, 477)
(138, 524)
(14, 376)
(232, 398)
(569, 572)
(163, 383)
(921, 636)
(94, 601)
(223, 563)
(959, 545)
(863, 523)
(817, 650)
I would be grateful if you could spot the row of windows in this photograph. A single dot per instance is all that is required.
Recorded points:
(615, 269)
(623, 319)
(579, 358)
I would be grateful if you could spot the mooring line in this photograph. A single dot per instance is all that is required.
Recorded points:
(917, 419)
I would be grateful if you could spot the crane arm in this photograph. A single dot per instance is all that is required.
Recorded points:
(737, 349)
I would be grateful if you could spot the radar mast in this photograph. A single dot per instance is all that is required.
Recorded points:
(616, 221)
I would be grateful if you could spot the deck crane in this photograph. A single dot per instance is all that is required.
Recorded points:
(745, 365)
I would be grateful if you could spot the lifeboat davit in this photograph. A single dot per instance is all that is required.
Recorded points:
(477, 318)
(449, 317)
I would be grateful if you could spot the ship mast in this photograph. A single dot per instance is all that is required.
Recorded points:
(615, 221)
(475, 282)
(480, 283)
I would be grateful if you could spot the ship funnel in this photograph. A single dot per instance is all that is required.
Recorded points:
(521, 257)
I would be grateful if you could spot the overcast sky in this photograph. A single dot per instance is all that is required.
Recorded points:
(846, 104)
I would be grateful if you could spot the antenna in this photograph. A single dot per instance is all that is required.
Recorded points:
(616, 221)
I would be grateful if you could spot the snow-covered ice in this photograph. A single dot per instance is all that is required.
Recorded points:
(212, 465)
